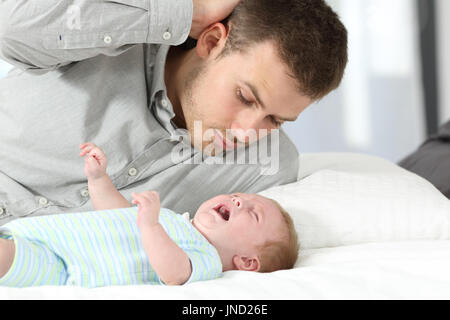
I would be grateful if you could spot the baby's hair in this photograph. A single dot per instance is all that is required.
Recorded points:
(280, 254)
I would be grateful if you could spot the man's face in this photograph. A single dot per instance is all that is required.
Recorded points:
(240, 92)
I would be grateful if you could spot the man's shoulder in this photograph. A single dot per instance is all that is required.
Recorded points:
(287, 147)
(284, 150)
(287, 156)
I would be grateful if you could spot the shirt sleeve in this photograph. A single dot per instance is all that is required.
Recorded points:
(205, 264)
(46, 34)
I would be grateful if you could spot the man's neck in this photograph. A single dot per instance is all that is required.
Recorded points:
(173, 78)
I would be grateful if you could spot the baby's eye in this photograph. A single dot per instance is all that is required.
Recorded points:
(256, 216)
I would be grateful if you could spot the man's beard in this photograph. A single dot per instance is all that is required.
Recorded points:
(192, 113)
(190, 110)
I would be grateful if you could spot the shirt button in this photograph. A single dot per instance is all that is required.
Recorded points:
(174, 137)
(132, 172)
(43, 201)
(107, 39)
(164, 103)
(167, 35)
(85, 193)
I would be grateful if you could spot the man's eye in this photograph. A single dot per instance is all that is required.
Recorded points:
(243, 100)
(241, 97)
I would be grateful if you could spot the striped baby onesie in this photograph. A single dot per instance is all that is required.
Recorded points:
(98, 248)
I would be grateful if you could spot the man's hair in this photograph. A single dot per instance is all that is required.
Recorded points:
(311, 39)
(280, 254)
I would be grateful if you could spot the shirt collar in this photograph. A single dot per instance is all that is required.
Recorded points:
(187, 217)
(158, 83)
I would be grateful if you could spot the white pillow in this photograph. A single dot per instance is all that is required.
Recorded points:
(346, 199)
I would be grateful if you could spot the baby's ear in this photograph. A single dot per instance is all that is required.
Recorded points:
(246, 263)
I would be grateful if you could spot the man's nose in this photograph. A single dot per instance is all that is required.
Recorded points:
(247, 121)
(245, 129)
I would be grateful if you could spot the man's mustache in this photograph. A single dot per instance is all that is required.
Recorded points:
(241, 137)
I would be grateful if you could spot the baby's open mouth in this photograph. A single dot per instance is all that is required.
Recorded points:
(223, 211)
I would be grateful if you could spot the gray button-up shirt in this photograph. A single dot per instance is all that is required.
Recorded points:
(94, 71)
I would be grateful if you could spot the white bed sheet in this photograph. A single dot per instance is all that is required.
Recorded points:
(392, 270)
(350, 269)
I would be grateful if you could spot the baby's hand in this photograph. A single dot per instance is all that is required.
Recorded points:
(148, 208)
(95, 162)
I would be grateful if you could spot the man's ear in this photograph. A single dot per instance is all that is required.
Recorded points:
(246, 263)
(212, 40)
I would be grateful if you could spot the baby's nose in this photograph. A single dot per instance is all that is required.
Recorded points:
(237, 202)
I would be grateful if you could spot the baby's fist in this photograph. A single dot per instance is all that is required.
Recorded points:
(148, 208)
(95, 161)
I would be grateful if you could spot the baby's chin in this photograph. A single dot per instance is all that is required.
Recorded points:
(203, 225)
(202, 218)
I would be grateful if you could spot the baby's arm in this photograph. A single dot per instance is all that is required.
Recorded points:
(168, 260)
(103, 193)
(7, 252)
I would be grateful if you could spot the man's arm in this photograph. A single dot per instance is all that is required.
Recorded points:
(46, 34)
(43, 35)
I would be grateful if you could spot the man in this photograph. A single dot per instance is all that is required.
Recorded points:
(109, 72)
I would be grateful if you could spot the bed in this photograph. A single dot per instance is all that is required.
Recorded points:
(367, 228)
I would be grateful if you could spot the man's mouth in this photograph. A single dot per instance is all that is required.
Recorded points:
(223, 211)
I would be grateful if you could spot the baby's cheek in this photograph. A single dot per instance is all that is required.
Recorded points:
(203, 220)
(244, 231)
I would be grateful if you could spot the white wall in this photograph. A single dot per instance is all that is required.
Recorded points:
(443, 14)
